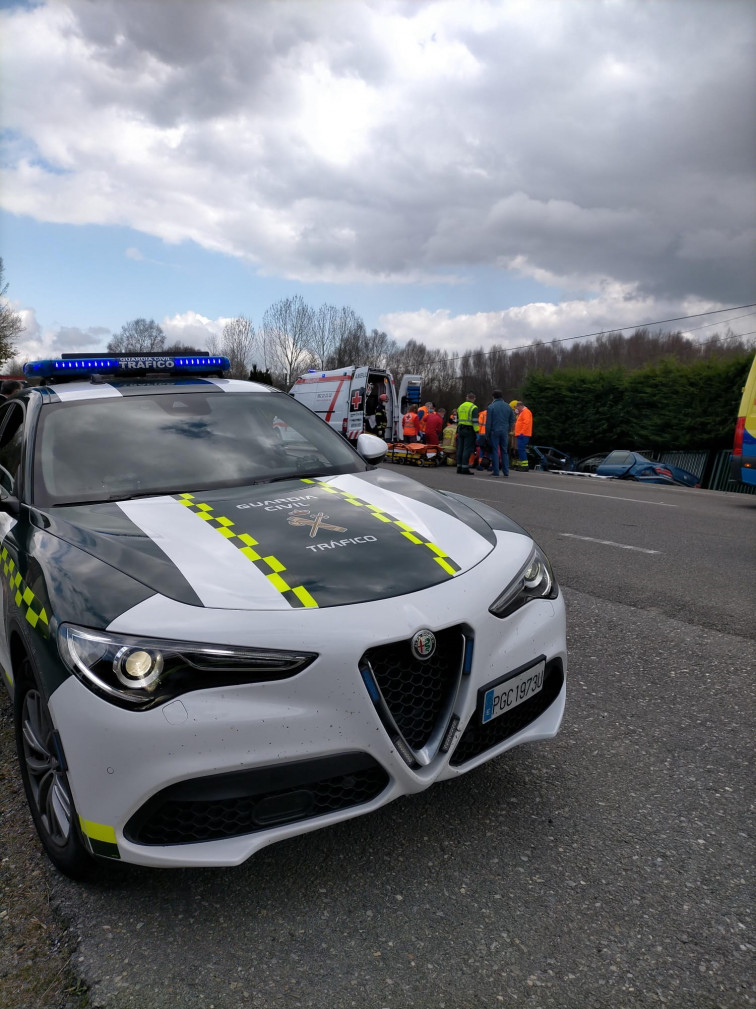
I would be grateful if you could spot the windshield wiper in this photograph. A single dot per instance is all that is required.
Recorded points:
(114, 497)
(304, 475)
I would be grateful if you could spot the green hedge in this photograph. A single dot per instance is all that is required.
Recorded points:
(665, 406)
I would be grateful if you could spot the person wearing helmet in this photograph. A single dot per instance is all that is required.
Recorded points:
(381, 419)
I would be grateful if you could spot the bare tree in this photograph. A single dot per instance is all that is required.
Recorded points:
(324, 333)
(287, 333)
(140, 336)
(350, 340)
(238, 344)
(11, 323)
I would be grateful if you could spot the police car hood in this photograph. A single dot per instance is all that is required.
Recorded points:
(301, 543)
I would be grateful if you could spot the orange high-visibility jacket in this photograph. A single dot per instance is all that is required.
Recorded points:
(410, 425)
(482, 421)
(524, 422)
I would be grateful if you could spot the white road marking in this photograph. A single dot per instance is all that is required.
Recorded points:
(584, 493)
(609, 543)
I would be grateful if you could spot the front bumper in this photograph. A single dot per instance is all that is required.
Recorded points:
(314, 747)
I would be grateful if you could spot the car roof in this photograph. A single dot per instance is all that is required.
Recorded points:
(88, 390)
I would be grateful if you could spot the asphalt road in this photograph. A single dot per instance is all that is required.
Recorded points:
(612, 866)
(682, 552)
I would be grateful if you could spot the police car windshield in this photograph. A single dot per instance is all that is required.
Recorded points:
(113, 448)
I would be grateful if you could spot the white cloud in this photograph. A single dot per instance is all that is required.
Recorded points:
(583, 144)
(192, 328)
(615, 308)
(39, 342)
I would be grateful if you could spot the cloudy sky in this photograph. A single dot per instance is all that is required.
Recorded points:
(461, 173)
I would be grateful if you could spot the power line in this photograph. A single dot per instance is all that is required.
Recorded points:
(718, 322)
(603, 332)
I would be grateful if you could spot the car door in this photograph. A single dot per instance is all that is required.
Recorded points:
(12, 416)
(617, 464)
(357, 393)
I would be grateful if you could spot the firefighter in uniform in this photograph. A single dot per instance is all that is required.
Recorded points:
(449, 442)
(381, 420)
(467, 430)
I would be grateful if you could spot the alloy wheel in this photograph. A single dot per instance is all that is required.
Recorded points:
(47, 782)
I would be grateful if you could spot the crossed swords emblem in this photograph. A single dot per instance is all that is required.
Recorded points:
(315, 522)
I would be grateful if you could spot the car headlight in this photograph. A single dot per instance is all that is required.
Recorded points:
(140, 673)
(534, 581)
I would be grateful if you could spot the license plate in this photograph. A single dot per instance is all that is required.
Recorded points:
(504, 696)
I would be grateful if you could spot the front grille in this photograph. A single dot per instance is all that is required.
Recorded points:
(417, 691)
(477, 738)
(228, 805)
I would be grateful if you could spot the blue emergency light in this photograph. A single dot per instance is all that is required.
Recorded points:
(73, 366)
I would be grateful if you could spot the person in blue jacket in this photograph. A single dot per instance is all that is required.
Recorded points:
(500, 420)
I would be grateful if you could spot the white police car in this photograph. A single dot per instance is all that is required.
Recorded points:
(223, 626)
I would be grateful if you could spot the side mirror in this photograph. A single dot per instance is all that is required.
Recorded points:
(371, 448)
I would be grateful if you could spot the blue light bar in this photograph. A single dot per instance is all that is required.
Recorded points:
(83, 367)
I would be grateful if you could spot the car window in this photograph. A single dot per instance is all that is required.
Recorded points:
(109, 449)
(11, 445)
(618, 459)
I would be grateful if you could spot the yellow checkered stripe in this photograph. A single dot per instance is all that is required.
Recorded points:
(295, 595)
(25, 599)
(442, 559)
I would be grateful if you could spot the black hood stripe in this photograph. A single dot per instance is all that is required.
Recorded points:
(296, 596)
(310, 588)
(443, 559)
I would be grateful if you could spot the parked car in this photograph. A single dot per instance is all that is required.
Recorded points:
(224, 625)
(626, 465)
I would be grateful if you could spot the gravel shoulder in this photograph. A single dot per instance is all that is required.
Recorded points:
(36, 945)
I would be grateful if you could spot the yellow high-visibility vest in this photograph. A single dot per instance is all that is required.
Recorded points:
(464, 415)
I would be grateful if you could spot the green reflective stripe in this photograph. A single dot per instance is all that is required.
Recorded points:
(296, 596)
(440, 557)
(101, 837)
(22, 595)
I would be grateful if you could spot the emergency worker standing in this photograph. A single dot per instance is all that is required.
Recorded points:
(433, 427)
(482, 440)
(500, 421)
(523, 434)
(422, 417)
(467, 430)
(410, 424)
(381, 420)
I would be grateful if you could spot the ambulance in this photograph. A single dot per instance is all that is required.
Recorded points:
(347, 399)
(743, 460)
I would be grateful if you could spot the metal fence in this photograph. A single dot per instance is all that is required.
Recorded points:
(720, 476)
(713, 473)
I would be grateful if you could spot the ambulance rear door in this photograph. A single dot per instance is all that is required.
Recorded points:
(357, 393)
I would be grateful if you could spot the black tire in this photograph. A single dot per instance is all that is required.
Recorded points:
(45, 782)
